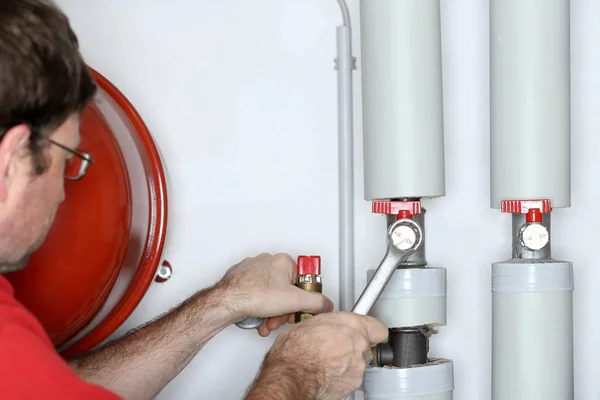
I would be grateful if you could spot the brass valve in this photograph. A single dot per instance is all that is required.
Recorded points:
(309, 279)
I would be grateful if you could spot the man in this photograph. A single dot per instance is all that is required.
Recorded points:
(44, 86)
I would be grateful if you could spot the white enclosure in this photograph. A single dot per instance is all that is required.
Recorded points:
(241, 99)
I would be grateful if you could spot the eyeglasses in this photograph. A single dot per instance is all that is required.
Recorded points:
(75, 167)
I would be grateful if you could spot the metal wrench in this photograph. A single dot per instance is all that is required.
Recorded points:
(250, 323)
(404, 237)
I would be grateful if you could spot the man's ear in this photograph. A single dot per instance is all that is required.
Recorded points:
(12, 147)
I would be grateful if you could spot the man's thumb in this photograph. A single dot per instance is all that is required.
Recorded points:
(313, 303)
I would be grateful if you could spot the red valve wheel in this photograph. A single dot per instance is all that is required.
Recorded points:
(393, 207)
(523, 206)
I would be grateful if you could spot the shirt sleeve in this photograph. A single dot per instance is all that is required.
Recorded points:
(31, 369)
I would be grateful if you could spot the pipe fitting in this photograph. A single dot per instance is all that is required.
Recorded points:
(531, 240)
(407, 347)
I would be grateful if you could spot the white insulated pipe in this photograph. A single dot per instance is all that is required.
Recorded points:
(412, 297)
(532, 330)
(403, 135)
(530, 101)
(532, 321)
(432, 381)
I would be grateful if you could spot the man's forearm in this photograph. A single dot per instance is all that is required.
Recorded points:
(139, 365)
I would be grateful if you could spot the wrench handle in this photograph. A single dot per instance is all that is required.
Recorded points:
(375, 287)
(250, 323)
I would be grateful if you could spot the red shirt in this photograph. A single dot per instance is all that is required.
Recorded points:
(30, 368)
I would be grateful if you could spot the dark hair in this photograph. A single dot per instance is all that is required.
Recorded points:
(43, 78)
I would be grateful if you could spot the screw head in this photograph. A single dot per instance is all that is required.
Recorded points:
(164, 272)
(534, 236)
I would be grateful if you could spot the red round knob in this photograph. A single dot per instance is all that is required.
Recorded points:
(404, 214)
(309, 265)
(533, 215)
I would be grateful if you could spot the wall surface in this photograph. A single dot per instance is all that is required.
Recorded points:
(241, 99)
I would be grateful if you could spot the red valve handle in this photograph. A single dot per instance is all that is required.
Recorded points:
(394, 207)
(523, 206)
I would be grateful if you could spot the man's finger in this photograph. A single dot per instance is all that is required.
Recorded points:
(274, 323)
(375, 330)
(263, 330)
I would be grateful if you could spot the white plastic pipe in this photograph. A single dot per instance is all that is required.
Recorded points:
(402, 99)
(532, 330)
(344, 63)
(346, 167)
(530, 101)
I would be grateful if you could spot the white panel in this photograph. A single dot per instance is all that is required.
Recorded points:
(241, 98)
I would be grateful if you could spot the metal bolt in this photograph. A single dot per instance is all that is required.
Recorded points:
(404, 237)
(534, 236)
(164, 272)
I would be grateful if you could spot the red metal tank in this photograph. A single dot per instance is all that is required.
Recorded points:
(106, 244)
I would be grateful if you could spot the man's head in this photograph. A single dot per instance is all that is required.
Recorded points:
(44, 87)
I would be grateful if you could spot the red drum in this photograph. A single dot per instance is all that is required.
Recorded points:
(106, 244)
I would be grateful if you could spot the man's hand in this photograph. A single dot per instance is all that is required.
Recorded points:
(139, 365)
(323, 358)
(263, 287)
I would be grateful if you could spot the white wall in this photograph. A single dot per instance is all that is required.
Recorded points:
(241, 98)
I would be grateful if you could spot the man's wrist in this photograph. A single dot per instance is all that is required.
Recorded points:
(282, 381)
(228, 299)
(212, 308)
(234, 298)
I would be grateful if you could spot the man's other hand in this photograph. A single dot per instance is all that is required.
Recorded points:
(263, 286)
(323, 357)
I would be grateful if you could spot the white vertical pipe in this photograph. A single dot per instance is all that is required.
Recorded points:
(402, 98)
(532, 330)
(346, 161)
(532, 320)
(345, 63)
(530, 101)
